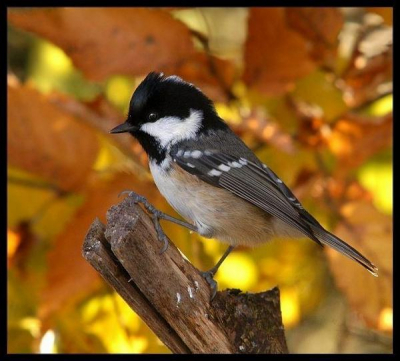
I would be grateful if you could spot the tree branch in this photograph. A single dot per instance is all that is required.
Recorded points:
(169, 294)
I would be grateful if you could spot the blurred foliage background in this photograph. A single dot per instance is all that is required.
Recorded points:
(308, 89)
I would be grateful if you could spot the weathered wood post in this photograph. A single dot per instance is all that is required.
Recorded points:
(168, 293)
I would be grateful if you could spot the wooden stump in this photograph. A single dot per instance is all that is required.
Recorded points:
(169, 294)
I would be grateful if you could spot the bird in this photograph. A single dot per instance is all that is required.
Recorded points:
(211, 177)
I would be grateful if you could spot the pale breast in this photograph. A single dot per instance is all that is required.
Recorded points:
(216, 212)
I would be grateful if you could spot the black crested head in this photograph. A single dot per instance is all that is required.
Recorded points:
(144, 91)
(167, 96)
(160, 97)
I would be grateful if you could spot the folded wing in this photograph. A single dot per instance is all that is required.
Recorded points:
(259, 185)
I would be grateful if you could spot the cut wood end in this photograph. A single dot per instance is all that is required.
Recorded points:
(93, 238)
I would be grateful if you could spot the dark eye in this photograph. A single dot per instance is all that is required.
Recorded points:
(152, 117)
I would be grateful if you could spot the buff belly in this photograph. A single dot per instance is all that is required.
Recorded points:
(216, 212)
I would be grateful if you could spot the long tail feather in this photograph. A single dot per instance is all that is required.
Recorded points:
(331, 240)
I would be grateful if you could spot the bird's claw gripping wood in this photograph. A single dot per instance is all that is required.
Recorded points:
(209, 277)
(156, 215)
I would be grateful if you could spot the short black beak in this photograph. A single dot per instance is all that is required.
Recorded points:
(123, 128)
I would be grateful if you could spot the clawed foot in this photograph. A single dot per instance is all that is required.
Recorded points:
(208, 276)
(156, 215)
(160, 233)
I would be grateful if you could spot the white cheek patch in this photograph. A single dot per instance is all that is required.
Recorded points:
(170, 130)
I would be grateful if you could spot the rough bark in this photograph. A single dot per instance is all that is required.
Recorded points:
(169, 294)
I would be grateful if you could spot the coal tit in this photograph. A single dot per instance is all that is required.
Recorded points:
(209, 175)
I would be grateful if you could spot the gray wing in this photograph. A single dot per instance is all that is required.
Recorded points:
(255, 183)
(259, 185)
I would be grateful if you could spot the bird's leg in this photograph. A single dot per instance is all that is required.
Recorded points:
(209, 275)
(156, 215)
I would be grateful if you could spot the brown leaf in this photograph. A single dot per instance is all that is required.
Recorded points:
(362, 81)
(106, 41)
(69, 276)
(370, 232)
(102, 116)
(47, 141)
(354, 139)
(311, 122)
(212, 75)
(130, 41)
(321, 26)
(265, 129)
(275, 55)
(328, 192)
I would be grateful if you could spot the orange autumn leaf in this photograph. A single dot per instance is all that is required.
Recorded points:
(47, 141)
(130, 41)
(71, 276)
(370, 232)
(354, 139)
(275, 55)
(321, 26)
(212, 75)
(106, 41)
